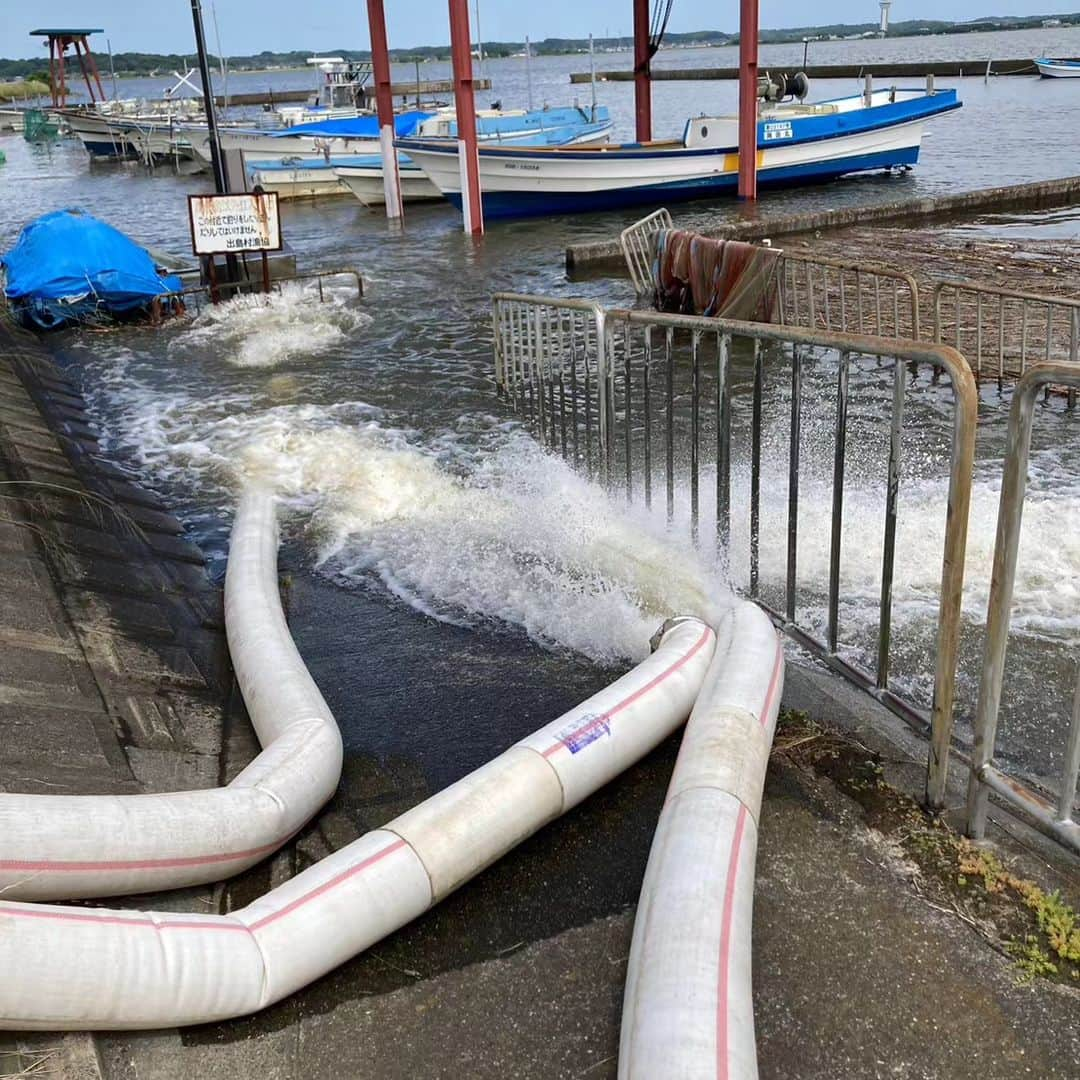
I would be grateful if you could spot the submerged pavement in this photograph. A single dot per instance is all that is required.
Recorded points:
(114, 679)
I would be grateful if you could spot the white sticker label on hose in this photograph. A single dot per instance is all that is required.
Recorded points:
(584, 731)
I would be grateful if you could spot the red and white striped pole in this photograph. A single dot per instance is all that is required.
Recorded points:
(468, 153)
(642, 75)
(748, 78)
(380, 61)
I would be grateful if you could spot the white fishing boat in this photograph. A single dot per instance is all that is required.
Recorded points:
(364, 179)
(797, 143)
(338, 95)
(1058, 69)
(364, 176)
(337, 174)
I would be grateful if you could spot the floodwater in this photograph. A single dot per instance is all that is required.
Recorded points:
(410, 482)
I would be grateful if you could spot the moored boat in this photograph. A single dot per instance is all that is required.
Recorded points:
(364, 178)
(1058, 69)
(361, 173)
(797, 143)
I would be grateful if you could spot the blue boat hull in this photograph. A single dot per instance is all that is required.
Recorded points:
(526, 204)
(107, 149)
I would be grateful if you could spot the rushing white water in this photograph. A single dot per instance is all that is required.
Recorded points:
(259, 331)
(480, 525)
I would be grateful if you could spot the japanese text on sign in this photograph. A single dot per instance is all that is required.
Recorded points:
(224, 223)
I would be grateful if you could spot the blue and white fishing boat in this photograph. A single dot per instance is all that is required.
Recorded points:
(335, 174)
(1058, 69)
(797, 143)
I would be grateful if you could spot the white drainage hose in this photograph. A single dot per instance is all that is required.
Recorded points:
(66, 846)
(94, 968)
(687, 1009)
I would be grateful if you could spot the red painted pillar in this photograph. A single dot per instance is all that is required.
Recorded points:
(52, 75)
(93, 71)
(380, 59)
(83, 68)
(468, 154)
(748, 77)
(62, 90)
(642, 76)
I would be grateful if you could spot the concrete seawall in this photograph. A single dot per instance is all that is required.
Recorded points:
(603, 257)
(880, 70)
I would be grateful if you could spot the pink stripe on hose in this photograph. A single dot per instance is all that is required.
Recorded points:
(649, 686)
(725, 947)
(69, 915)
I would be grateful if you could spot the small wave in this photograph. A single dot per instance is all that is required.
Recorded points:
(264, 331)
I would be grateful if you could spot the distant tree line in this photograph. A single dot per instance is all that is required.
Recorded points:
(138, 63)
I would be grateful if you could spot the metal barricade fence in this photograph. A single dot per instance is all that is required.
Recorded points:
(200, 294)
(1003, 332)
(550, 361)
(665, 388)
(636, 243)
(985, 775)
(847, 297)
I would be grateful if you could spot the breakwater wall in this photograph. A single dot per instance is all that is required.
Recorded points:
(601, 257)
(949, 69)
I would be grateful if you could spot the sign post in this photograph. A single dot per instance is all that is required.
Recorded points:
(234, 224)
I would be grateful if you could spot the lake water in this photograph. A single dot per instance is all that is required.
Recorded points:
(408, 479)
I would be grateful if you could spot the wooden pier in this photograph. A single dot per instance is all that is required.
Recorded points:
(882, 70)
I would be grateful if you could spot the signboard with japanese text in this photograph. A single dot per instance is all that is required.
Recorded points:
(221, 224)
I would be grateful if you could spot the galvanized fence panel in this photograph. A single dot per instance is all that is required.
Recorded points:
(665, 391)
(985, 775)
(550, 363)
(1003, 332)
(636, 242)
(847, 297)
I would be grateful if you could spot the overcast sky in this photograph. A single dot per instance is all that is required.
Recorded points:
(249, 26)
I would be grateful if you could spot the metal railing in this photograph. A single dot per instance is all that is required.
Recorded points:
(985, 775)
(1003, 332)
(550, 362)
(848, 298)
(666, 387)
(636, 243)
(200, 295)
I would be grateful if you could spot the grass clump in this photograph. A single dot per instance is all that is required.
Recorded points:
(1039, 930)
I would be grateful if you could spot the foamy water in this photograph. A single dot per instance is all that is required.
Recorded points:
(260, 331)
(484, 526)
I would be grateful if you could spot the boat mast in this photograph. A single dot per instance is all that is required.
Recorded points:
(479, 45)
(112, 70)
(220, 182)
(592, 76)
(528, 70)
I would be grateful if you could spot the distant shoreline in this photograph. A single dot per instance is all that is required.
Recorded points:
(160, 65)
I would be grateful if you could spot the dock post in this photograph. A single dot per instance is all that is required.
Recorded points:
(380, 59)
(748, 89)
(642, 75)
(468, 152)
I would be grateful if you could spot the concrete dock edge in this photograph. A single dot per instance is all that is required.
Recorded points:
(603, 257)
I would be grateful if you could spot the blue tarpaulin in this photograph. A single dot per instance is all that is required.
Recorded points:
(355, 127)
(68, 266)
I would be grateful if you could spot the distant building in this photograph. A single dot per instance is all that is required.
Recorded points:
(883, 29)
(1051, 22)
